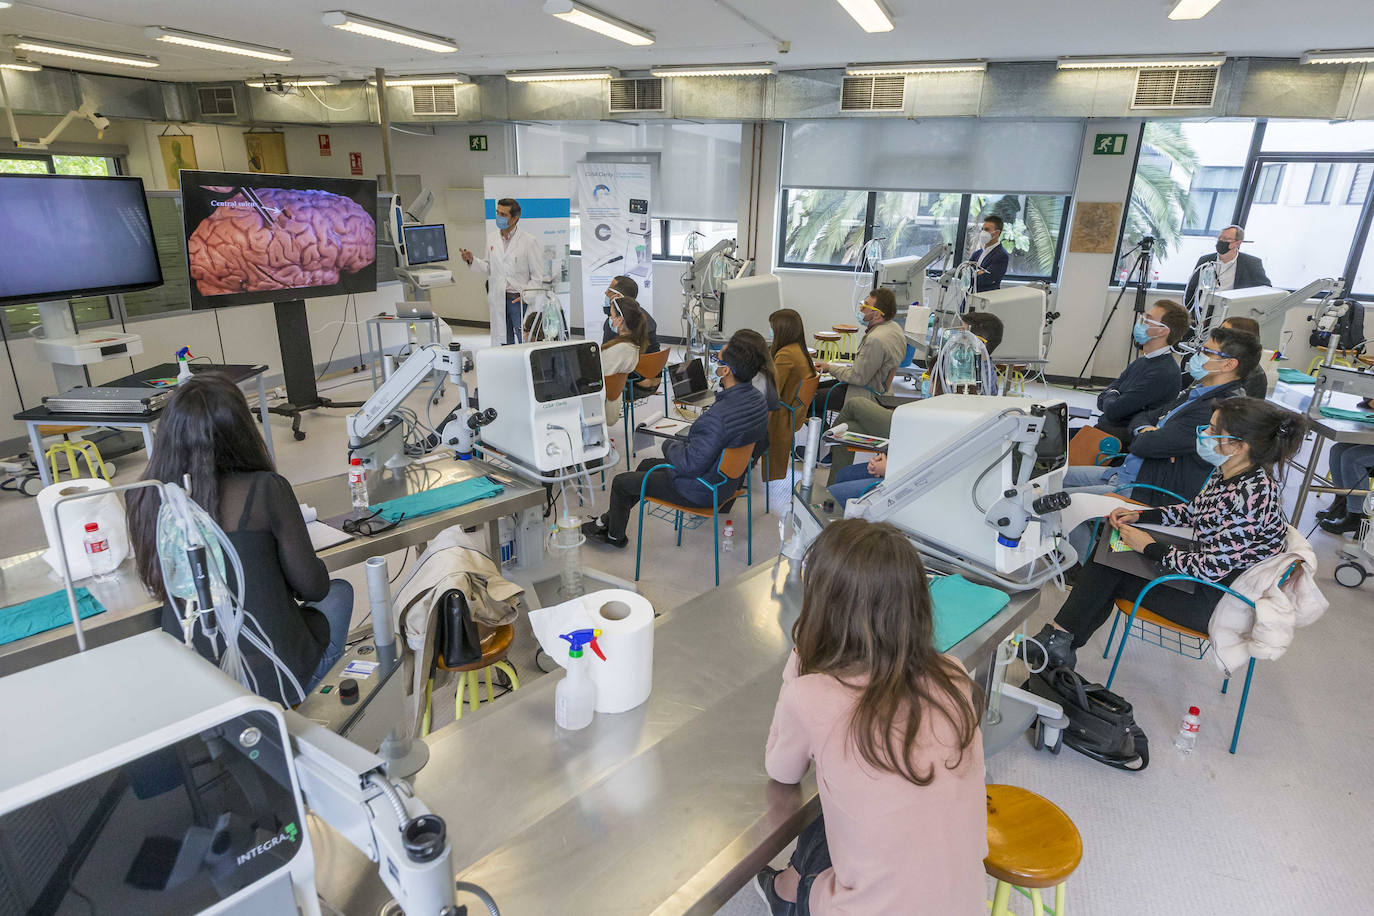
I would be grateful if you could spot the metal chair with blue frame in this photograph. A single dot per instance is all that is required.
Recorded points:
(650, 365)
(1199, 642)
(733, 464)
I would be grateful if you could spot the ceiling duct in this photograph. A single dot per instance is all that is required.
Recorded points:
(434, 100)
(1179, 87)
(636, 95)
(873, 93)
(217, 101)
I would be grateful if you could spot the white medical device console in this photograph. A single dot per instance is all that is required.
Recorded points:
(549, 402)
(1022, 312)
(141, 779)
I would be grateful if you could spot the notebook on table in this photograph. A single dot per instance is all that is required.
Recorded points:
(1109, 553)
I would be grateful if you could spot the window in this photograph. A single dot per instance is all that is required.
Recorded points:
(1319, 186)
(682, 238)
(829, 228)
(1212, 197)
(1270, 181)
(1359, 184)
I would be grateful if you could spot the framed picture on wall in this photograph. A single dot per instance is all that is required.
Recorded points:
(266, 152)
(1095, 227)
(178, 152)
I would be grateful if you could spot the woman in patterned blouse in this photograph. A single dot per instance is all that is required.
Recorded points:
(1237, 520)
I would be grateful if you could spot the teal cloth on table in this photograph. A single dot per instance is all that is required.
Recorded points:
(49, 612)
(961, 607)
(1340, 413)
(1296, 377)
(427, 502)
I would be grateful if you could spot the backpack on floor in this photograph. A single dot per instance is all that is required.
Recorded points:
(1101, 723)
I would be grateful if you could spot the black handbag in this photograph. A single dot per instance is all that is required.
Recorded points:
(459, 641)
(1101, 723)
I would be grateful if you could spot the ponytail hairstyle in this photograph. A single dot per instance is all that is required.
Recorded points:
(867, 620)
(1272, 433)
(636, 329)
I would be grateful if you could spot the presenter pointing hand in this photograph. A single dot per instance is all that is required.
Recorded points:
(467, 256)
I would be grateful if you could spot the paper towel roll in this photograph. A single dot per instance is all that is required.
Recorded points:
(107, 511)
(626, 622)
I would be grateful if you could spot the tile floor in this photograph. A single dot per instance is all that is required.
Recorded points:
(1279, 828)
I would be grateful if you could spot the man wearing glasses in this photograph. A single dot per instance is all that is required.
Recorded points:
(1151, 381)
(1234, 270)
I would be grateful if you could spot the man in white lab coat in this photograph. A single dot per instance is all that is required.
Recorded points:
(513, 264)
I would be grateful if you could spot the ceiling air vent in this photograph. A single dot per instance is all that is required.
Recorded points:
(637, 95)
(434, 100)
(1178, 87)
(217, 101)
(872, 93)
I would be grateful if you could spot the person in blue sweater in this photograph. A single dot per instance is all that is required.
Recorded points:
(1151, 381)
(739, 416)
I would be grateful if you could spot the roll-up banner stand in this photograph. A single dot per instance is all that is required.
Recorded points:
(545, 207)
(617, 234)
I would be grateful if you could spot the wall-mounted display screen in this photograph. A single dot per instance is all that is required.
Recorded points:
(63, 236)
(269, 238)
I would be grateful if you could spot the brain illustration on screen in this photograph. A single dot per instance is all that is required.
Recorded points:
(273, 238)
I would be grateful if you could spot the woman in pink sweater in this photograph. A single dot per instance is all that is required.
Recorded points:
(892, 726)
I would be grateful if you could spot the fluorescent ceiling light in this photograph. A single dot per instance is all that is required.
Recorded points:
(1141, 63)
(436, 79)
(10, 61)
(1192, 9)
(222, 45)
(718, 70)
(62, 49)
(934, 66)
(869, 14)
(582, 15)
(375, 28)
(1347, 56)
(548, 76)
(4, 5)
(298, 81)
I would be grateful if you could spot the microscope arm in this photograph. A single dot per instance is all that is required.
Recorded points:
(1299, 296)
(347, 788)
(410, 375)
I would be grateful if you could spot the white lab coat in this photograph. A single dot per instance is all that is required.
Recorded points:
(519, 264)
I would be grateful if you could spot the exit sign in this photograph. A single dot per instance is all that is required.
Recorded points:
(477, 143)
(1109, 145)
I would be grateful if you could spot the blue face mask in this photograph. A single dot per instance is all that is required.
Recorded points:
(1140, 333)
(607, 306)
(1197, 366)
(1207, 449)
(502, 223)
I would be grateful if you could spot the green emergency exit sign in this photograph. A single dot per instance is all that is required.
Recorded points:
(1110, 145)
(477, 143)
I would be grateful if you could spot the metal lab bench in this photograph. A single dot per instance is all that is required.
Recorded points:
(1298, 398)
(665, 809)
(129, 609)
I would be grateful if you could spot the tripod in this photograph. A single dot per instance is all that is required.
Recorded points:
(1140, 276)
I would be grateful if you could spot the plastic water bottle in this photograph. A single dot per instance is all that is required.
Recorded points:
(727, 540)
(1187, 733)
(98, 551)
(357, 484)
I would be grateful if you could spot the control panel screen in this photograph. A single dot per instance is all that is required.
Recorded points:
(425, 244)
(566, 372)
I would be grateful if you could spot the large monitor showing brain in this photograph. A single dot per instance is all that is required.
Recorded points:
(269, 238)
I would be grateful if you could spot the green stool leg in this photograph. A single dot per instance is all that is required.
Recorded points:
(510, 673)
(474, 691)
(486, 675)
(458, 694)
(1001, 898)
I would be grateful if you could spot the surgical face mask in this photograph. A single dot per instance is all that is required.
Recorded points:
(982, 239)
(1223, 246)
(1197, 366)
(606, 306)
(1140, 333)
(1207, 448)
(502, 222)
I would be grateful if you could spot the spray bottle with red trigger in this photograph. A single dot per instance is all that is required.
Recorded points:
(575, 697)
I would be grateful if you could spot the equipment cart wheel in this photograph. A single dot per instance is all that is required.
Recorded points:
(1351, 575)
(299, 434)
(30, 485)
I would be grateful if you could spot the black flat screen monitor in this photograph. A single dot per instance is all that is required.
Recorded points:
(272, 238)
(425, 244)
(63, 236)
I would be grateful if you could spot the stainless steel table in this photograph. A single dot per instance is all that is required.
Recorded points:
(1298, 398)
(129, 609)
(664, 809)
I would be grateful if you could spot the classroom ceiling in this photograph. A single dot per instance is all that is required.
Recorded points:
(499, 35)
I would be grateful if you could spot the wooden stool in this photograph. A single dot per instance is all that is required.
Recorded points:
(495, 646)
(827, 345)
(71, 450)
(1031, 845)
(849, 338)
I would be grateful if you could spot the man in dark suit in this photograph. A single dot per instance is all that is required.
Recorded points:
(1234, 270)
(988, 255)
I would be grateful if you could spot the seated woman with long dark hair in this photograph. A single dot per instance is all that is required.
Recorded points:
(1238, 522)
(208, 432)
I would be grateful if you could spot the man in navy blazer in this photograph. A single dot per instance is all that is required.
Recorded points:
(1234, 270)
(989, 256)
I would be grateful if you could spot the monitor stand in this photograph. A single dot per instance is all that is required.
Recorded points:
(298, 366)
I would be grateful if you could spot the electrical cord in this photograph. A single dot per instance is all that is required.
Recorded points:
(349, 301)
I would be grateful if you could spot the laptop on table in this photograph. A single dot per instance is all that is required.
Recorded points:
(688, 379)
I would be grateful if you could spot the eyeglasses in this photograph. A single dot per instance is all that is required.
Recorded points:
(1205, 432)
(369, 525)
(1215, 354)
(1148, 320)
